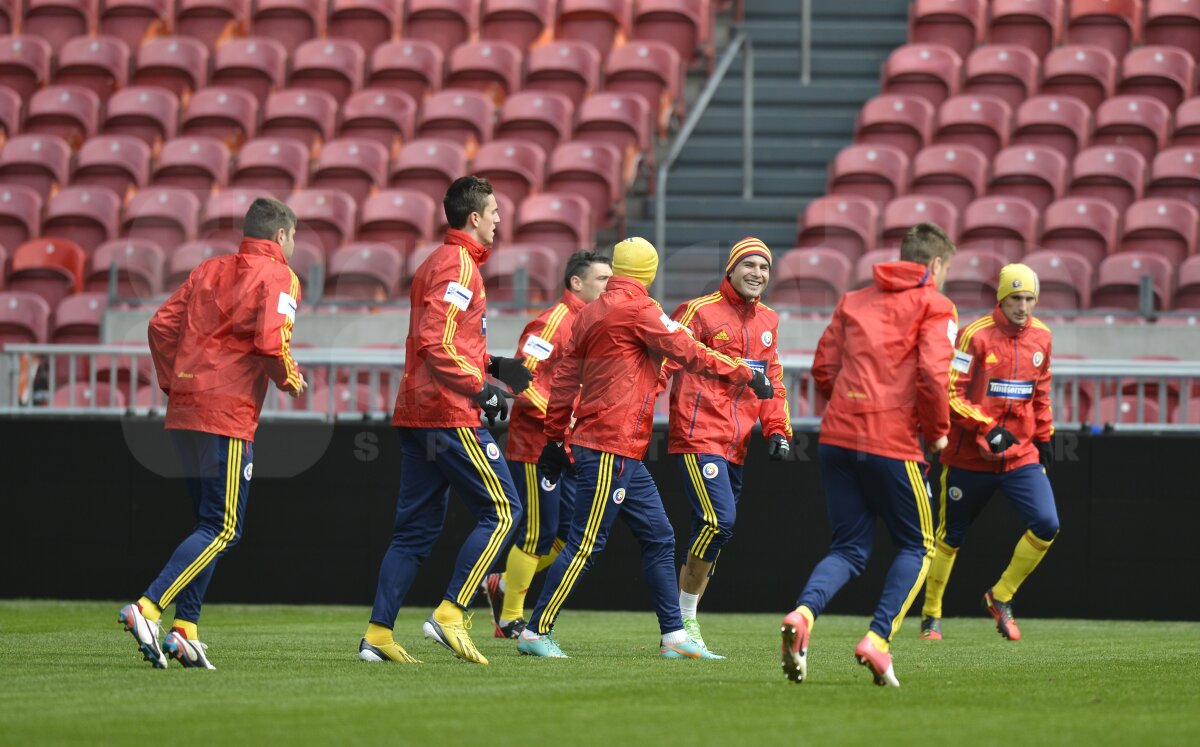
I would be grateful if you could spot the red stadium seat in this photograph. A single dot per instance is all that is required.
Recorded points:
(1188, 294)
(383, 116)
(368, 22)
(542, 269)
(972, 281)
(1165, 73)
(650, 69)
(864, 268)
(254, 64)
(350, 165)
(519, 22)
(195, 163)
(428, 166)
(10, 113)
(562, 222)
(176, 63)
(622, 120)
(10, 12)
(492, 67)
(959, 25)
(847, 224)
(543, 118)
(227, 114)
(56, 21)
(24, 317)
(686, 25)
(20, 215)
(514, 167)
(87, 216)
(903, 213)
(186, 258)
(1187, 123)
(84, 396)
(211, 20)
(1140, 122)
(957, 173)
(459, 115)
(290, 22)
(1126, 410)
(24, 64)
(877, 172)
(1034, 24)
(1119, 276)
(139, 267)
(1063, 123)
(1173, 23)
(1112, 24)
(53, 268)
(1064, 280)
(97, 63)
(344, 398)
(224, 213)
(981, 121)
(1162, 226)
(149, 114)
(304, 115)
(1115, 173)
(1088, 73)
(334, 66)
(167, 216)
(604, 24)
(592, 170)
(1086, 226)
(903, 122)
(116, 162)
(366, 271)
(446, 23)
(412, 66)
(36, 161)
(133, 21)
(568, 67)
(1009, 72)
(325, 217)
(815, 277)
(272, 164)
(1035, 173)
(930, 71)
(400, 217)
(1176, 173)
(77, 319)
(1007, 226)
(70, 112)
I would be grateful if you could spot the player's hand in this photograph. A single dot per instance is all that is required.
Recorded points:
(762, 385)
(1045, 454)
(939, 444)
(554, 461)
(999, 439)
(512, 372)
(493, 400)
(300, 389)
(778, 448)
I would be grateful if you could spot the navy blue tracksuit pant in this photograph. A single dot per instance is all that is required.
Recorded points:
(547, 508)
(965, 492)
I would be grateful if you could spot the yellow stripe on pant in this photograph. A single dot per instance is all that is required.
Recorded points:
(233, 481)
(503, 512)
(925, 516)
(709, 531)
(942, 498)
(533, 509)
(590, 532)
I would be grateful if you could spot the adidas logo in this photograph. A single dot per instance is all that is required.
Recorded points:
(991, 358)
(722, 335)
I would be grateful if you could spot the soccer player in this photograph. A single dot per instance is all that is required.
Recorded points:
(217, 343)
(615, 354)
(710, 420)
(883, 363)
(547, 506)
(999, 440)
(443, 444)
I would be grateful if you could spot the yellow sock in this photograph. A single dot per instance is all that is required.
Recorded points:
(150, 610)
(939, 574)
(879, 641)
(517, 576)
(448, 613)
(547, 560)
(378, 635)
(808, 616)
(188, 629)
(1029, 552)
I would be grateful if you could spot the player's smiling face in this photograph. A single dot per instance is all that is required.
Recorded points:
(1018, 307)
(750, 277)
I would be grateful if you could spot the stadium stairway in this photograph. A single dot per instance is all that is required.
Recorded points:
(798, 130)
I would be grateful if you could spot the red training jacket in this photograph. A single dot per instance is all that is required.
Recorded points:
(445, 355)
(883, 364)
(710, 416)
(542, 343)
(222, 336)
(616, 350)
(1000, 376)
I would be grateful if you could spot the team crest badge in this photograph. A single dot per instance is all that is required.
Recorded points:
(248, 471)
(767, 337)
(1038, 358)
(709, 470)
(547, 485)
(956, 493)
(493, 452)
(619, 496)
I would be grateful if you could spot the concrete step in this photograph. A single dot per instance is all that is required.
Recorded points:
(896, 10)
(699, 207)
(724, 150)
(820, 94)
(768, 182)
(858, 33)
(785, 121)
(826, 63)
(686, 235)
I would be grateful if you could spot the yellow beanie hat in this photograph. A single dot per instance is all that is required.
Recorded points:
(1015, 278)
(747, 247)
(635, 258)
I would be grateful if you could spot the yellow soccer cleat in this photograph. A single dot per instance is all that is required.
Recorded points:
(454, 636)
(389, 652)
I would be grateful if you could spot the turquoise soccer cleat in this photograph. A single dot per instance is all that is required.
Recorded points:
(692, 627)
(543, 646)
(689, 649)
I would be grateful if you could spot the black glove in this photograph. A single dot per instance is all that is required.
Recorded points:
(778, 448)
(512, 372)
(494, 402)
(762, 385)
(554, 461)
(999, 439)
(1045, 454)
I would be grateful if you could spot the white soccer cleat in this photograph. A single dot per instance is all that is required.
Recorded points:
(145, 632)
(190, 654)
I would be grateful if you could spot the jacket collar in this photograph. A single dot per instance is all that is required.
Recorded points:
(628, 285)
(746, 307)
(263, 248)
(1007, 327)
(573, 302)
(478, 251)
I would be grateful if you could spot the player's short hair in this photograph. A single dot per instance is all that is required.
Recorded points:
(265, 217)
(579, 263)
(925, 241)
(468, 194)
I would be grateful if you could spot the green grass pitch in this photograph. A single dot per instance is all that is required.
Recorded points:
(289, 676)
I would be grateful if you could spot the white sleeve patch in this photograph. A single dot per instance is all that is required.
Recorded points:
(669, 323)
(287, 306)
(952, 331)
(962, 361)
(537, 348)
(458, 295)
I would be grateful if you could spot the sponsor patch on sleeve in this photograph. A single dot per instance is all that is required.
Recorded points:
(287, 306)
(458, 295)
(962, 361)
(952, 331)
(536, 347)
(669, 323)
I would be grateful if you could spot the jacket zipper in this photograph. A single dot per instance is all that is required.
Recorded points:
(1008, 407)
